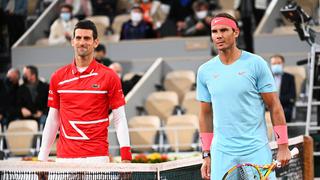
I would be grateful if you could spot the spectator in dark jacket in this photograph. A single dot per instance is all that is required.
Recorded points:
(198, 24)
(136, 27)
(285, 84)
(33, 96)
(8, 97)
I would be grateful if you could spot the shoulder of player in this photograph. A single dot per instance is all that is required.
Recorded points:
(106, 71)
(208, 64)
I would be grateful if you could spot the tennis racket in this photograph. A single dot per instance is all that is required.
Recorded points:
(248, 171)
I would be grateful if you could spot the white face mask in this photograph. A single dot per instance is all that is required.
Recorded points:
(201, 14)
(165, 8)
(136, 17)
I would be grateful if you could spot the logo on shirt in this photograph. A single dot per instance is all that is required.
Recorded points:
(95, 86)
(215, 76)
(241, 73)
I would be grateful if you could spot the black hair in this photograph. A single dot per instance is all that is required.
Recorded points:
(100, 47)
(33, 70)
(197, 4)
(278, 56)
(65, 5)
(86, 24)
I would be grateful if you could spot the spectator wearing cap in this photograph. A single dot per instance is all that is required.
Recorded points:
(100, 53)
(136, 27)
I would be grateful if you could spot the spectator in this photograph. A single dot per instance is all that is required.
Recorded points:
(285, 84)
(61, 29)
(81, 8)
(100, 55)
(153, 12)
(117, 68)
(105, 7)
(179, 10)
(33, 96)
(8, 95)
(136, 27)
(128, 84)
(198, 24)
(15, 15)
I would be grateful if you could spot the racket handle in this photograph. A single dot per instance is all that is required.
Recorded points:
(294, 152)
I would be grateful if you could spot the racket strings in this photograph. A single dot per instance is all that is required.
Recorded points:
(244, 173)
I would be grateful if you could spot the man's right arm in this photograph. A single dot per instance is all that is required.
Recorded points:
(206, 135)
(49, 133)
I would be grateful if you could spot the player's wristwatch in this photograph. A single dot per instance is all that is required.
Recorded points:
(205, 154)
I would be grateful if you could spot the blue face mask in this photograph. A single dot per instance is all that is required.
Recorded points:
(277, 69)
(65, 16)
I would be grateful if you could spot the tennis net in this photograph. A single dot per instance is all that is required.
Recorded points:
(300, 167)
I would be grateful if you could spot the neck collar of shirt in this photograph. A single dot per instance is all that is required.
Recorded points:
(91, 68)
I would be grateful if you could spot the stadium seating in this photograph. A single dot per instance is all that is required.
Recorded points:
(102, 23)
(269, 125)
(20, 136)
(181, 132)
(190, 104)
(161, 104)
(143, 131)
(118, 21)
(180, 81)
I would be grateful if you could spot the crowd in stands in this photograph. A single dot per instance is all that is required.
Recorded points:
(27, 100)
(141, 18)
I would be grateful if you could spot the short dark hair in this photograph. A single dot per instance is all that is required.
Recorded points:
(65, 5)
(33, 70)
(137, 6)
(197, 4)
(226, 15)
(100, 47)
(278, 56)
(86, 24)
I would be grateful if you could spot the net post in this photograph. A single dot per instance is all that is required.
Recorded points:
(158, 173)
(308, 158)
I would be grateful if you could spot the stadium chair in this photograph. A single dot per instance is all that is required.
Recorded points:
(144, 139)
(128, 76)
(180, 81)
(101, 22)
(190, 104)
(299, 73)
(269, 125)
(161, 104)
(118, 21)
(181, 131)
(21, 144)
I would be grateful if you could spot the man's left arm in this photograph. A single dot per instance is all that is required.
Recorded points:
(279, 126)
(121, 126)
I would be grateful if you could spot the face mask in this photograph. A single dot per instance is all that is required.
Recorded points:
(65, 16)
(277, 69)
(165, 8)
(201, 14)
(136, 17)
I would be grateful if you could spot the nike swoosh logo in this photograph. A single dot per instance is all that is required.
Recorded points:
(278, 137)
(241, 73)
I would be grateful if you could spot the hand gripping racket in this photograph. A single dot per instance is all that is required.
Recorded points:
(248, 171)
